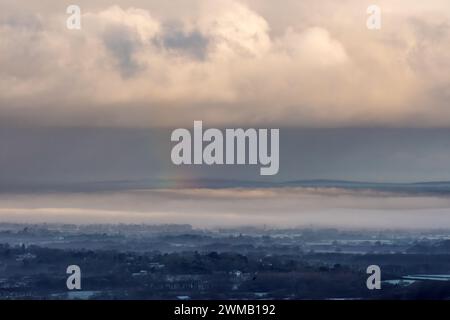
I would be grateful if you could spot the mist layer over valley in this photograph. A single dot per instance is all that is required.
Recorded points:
(209, 208)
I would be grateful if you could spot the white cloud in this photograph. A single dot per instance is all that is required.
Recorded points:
(138, 20)
(320, 68)
(234, 30)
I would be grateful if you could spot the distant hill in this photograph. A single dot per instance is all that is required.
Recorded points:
(436, 188)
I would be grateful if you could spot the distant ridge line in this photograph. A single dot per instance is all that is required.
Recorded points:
(436, 187)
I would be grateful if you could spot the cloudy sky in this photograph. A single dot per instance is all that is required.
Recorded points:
(98, 105)
(295, 63)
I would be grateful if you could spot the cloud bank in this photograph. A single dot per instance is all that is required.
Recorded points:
(256, 62)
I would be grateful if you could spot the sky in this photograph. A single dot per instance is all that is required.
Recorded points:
(258, 62)
(98, 104)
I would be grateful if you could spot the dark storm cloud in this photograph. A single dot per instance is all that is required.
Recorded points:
(193, 44)
(122, 45)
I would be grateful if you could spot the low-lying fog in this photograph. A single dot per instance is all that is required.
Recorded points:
(280, 207)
